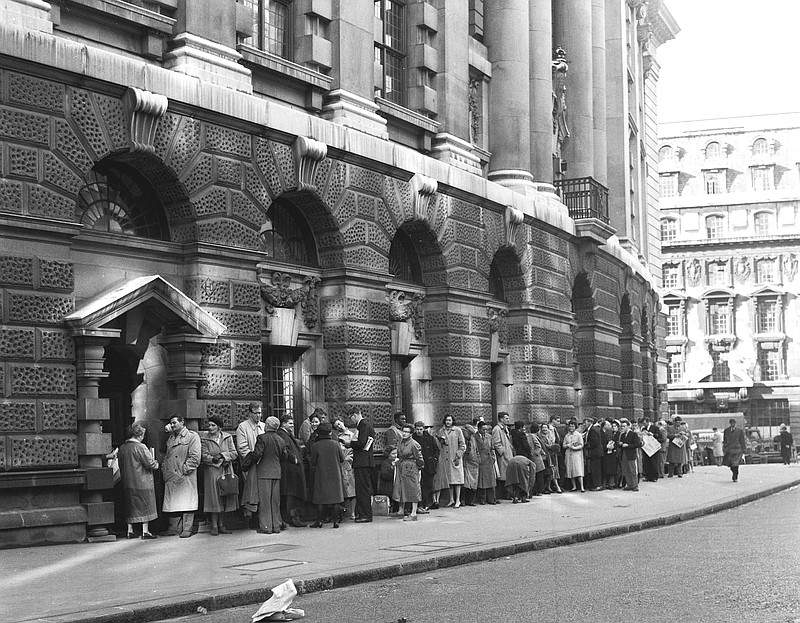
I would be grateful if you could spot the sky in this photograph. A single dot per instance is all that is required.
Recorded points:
(731, 58)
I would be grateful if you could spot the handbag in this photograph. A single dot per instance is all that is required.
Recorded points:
(228, 483)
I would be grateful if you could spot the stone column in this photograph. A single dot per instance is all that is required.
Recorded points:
(93, 443)
(509, 100)
(541, 90)
(572, 30)
(184, 372)
(599, 89)
(351, 102)
(27, 14)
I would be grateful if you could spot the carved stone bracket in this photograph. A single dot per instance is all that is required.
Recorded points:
(497, 323)
(424, 188)
(308, 153)
(402, 308)
(278, 293)
(143, 110)
(513, 219)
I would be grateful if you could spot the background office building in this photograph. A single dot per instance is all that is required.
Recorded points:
(442, 207)
(730, 231)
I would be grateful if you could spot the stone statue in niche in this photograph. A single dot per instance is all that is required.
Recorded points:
(790, 266)
(560, 129)
(695, 270)
(742, 269)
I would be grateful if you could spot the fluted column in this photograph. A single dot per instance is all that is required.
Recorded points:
(572, 30)
(506, 36)
(599, 89)
(541, 89)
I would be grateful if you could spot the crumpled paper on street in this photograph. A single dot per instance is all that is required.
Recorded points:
(278, 607)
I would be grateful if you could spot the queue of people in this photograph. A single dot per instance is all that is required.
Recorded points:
(330, 469)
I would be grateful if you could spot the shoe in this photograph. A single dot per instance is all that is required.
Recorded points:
(283, 526)
(407, 518)
(596, 489)
(680, 476)
(364, 520)
(470, 504)
(451, 505)
(168, 533)
(297, 523)
(546, 492)
(583, 490)
(146, 536)
(496, 502)
(214, 531)
(224, 530)
(515, 501)
(413, 517)
(186, 535)
(422, 511)
(316, 524)
(131, 535)
(335, 525)
(524, 500)
(434, 506)
(262, 531)
(457, 505)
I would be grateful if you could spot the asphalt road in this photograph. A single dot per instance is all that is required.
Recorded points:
(738, 565)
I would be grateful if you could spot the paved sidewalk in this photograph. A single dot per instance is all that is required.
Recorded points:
(147, 580)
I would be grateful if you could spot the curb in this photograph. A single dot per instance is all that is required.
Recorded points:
(185, 605)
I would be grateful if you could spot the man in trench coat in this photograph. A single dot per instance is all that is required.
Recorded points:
(179, 469)
(503, 450)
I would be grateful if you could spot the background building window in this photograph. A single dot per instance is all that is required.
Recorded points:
(718, 318)
(401, 387)
(771, 413)
(762, 222)
(669, 230)
(715, 182)
(717, 274)
(769, 363)
(767, 316)
(720, 373)
(666, 154)
(762, 178)
(669, 275)
(272, 26)
(390, 53)
(674, 321)
(713, 150)
(765, 271)
(675, 370)
(715, 225)
(760, 147)
(668, 185)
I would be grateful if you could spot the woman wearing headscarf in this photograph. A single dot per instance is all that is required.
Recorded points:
(470, 465)
(326, 458)
(409, 463)
(217, 452)
(270, 449)
(486, 464)
(136, 466)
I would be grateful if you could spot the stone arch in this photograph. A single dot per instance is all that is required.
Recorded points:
(507, 276)
(428, 250)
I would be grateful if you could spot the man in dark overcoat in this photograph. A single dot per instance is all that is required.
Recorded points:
(733, 446)
(363, 463)
(595, 452)
(293, 476)
(430, 453)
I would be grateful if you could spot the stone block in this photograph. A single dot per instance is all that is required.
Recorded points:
(93, 409)
(94, 443)
(99, 513)
(99, 478)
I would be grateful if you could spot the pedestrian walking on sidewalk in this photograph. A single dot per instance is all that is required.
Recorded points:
(179, 470)
(733, 445)
(363, 462)
(786, 442)
(136, 466)
(218, 451)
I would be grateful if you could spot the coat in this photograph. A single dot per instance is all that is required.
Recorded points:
(179, 470)
(270, 450)
(718, 437)
(486, 460)
(136, 466)
(430, 452)
(216, 459)
(471, 464)
(392, 436)
(594, 442)
(573, 455)
(348, 476)
(520, 443)
(503, 450)
(633, 441)
(451, 452)
(734, 445)
(675, 455)
(409, 464)
(537, 452)
(246, 434)
(293, 476)
(326, 458)
(362, 457)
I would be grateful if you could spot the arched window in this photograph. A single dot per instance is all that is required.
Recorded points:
(496, 287)
(403, 260)
(760, 147)
(286, 235)
(713, 150)
(666, 153)
(117, 199)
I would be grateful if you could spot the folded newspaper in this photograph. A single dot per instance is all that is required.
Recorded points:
(278, 606)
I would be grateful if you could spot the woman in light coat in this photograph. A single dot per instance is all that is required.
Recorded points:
(471, 465)
(486, 464)
(136, 466)
(218, 451)
(407, 488)
(573, 456)
(452, 449)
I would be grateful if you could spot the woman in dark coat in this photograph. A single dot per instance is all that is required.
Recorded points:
(520, 440)
(136, 466)
(326, 458)
(293, 476)
(610, 436)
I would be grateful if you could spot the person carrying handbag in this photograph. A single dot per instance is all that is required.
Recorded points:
(220, 485)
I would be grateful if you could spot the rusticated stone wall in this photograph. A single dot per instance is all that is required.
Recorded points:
(38, 417)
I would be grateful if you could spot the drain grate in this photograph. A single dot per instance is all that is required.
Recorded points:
(428, 546)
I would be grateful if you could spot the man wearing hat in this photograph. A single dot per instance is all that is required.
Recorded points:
(733, 446)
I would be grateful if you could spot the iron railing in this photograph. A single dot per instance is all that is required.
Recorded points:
(584, 198)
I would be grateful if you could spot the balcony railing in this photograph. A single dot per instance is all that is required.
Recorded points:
(584, 198)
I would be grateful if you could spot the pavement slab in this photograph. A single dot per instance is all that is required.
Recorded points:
(134, 580)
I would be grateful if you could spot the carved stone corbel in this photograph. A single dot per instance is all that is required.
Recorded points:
(424, 188)
(308, 153)
(402, 308)
(143, 109)
(513, 219)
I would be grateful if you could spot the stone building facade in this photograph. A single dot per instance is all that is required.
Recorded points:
(730, 230)
(435, 207)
